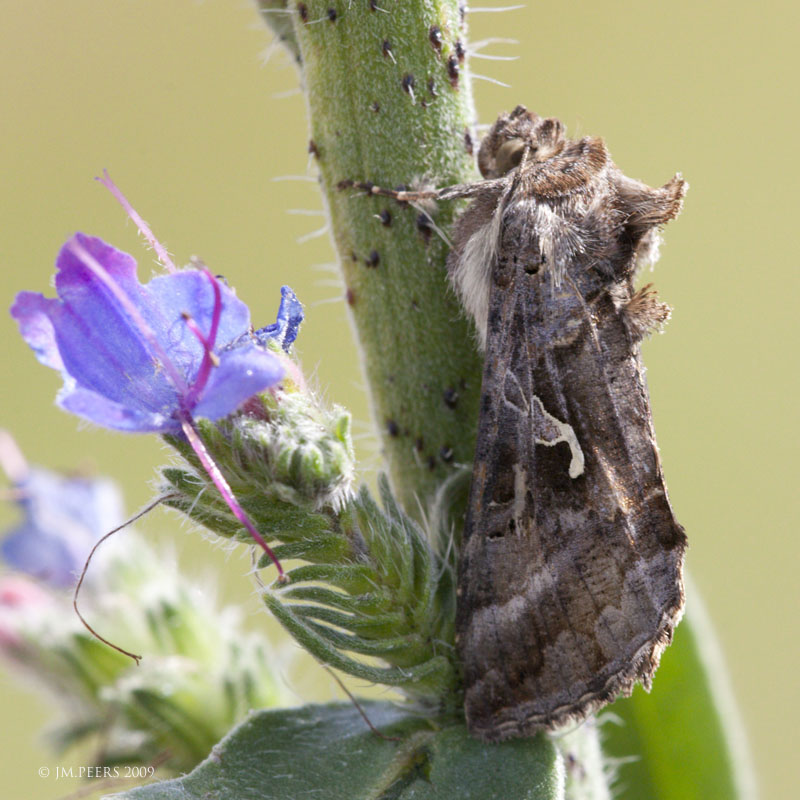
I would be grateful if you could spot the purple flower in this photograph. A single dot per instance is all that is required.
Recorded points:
(143, 357)
(63, 519)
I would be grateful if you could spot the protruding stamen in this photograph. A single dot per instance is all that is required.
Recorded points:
(210, 358)
(143, 227)
(223, 487)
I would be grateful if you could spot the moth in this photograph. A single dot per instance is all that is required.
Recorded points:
(570, 571)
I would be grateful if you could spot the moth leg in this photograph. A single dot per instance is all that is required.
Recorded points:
(414, 196)
(648, 208)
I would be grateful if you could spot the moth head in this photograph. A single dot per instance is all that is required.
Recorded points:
(516, 135)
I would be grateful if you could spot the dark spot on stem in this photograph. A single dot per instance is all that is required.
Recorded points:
(432, 87)
(302, 10)
(350, 296)
(453, 70)
(460, 51)
(373, 259)
(450, 397)
(392, 428)
(446, 454)
(386, 48)
(386, 218)
(419, 444)
(408, 84)
(425, 226)
(435, 37)
(313, 149)
(431, 463)
(353, 256)
(332, 14)
(375, 107)
(469, 145)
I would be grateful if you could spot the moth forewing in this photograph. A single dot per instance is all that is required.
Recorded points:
(569, 578)
(570, 574)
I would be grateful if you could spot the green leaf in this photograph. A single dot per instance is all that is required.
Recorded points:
(683, 741)
(328, 752)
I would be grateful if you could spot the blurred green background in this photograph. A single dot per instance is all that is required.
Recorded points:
(175, 100)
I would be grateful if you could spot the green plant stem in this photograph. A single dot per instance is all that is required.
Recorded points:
(278, 17)
(385, 107)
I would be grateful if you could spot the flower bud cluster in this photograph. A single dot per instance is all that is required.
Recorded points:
(200, 672)
(288, 458)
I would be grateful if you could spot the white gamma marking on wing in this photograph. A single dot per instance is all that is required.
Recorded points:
(563, 433)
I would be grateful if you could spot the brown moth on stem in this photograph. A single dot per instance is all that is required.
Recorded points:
(570, 573)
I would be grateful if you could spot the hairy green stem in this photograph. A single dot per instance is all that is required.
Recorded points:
(390, 102)
(278, 17)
